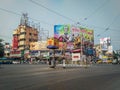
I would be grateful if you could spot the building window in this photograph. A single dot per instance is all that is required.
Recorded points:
(22, 33)
(30, 33)
(22, 39)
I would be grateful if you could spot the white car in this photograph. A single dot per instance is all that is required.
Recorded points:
(16, 62)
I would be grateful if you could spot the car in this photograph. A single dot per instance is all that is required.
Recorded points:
(99, 61)
(115, 61)
(16, 62)
(109, 61)
(104, 60)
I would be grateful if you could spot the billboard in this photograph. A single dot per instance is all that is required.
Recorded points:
(86, 34)
(15, 53)
(62, 32)
(52, 43)
(105, 43)
(73, 36)
(42, 45)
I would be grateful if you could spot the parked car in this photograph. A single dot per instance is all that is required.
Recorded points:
(109, 61)
(116, 61)
(99, 61)
(16, 62)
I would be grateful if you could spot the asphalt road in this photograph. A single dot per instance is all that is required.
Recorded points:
(41, 77)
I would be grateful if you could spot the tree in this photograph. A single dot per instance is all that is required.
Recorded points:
(1, 48)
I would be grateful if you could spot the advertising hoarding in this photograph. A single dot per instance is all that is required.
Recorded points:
(73, 36)
(105, 43)
(38, 45)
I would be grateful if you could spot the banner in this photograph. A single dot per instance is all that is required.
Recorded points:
(15, 42)
(61, 32)
(105, 43)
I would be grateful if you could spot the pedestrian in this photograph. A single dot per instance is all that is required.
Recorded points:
(49, 60)
(83, 58)
(64, 63)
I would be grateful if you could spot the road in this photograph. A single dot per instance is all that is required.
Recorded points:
(41, 77)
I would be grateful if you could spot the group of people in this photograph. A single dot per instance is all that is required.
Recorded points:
(52, 63)
(87, 55)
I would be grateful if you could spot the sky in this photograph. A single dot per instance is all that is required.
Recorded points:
(103, 16)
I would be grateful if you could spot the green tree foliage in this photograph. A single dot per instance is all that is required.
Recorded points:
(1, 48)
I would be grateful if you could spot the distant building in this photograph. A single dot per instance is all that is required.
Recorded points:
(7, 48)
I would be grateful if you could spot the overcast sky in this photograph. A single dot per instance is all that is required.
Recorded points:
(103, 16)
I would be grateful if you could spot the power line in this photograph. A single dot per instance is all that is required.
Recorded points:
(5, 36)
(12, 12)
(108, 28)
(8, 11)
(38, 4)
(97, 9)
(114, 20)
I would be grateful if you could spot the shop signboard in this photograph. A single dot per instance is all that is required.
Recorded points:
(53, 42)
(15, 53)
(15, 43)
(75, 56)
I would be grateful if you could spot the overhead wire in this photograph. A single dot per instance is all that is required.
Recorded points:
(108, 28)
(38, 4)
(6, 10)
(5, 36)
(9, 11)
(12, 12)
(97, 9)
(50, 10)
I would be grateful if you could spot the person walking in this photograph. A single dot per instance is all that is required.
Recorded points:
(64, 65)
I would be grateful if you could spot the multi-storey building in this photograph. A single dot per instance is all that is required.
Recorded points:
(23, 36)
(7, 48)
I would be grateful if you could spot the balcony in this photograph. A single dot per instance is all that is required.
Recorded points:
(21, 43)
(21, 48)
(22, 36)
(15, 32)
(22, 30)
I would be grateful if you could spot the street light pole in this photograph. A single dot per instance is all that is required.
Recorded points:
(81, 46)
